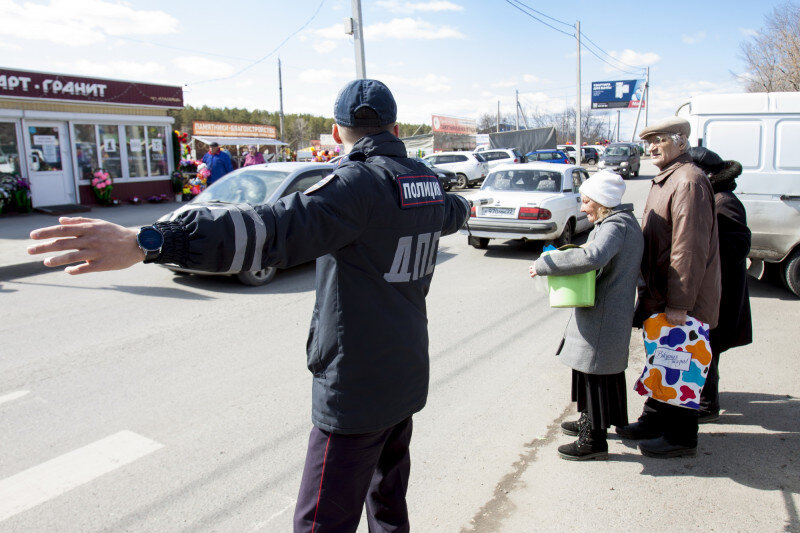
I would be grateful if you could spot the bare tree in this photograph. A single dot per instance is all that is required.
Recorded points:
(772, 56)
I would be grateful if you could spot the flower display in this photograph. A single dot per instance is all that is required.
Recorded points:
(102, 185)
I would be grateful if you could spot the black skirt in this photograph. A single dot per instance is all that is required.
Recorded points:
(603, 397)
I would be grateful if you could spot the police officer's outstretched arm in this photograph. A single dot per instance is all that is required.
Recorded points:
(456, 213)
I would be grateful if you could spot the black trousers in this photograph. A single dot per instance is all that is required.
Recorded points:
(677, 424)
(342, 472)
(709, 397)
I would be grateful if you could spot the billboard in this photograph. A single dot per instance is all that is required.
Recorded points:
(228, 129)
(47, 86)
(445, 124)
(616, 94)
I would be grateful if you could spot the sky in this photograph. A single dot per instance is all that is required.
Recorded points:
(446, 57)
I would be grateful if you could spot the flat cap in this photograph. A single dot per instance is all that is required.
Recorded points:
(669, 126)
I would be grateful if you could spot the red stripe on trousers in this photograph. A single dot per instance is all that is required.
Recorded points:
(321, 476)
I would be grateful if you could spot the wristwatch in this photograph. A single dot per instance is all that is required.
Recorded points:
(150, 241)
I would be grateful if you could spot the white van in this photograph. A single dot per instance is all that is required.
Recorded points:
(762, 132)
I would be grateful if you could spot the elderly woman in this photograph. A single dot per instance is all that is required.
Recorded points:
(254, 157)
(596, 341)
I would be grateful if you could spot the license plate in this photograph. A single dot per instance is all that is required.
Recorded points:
(498, 211)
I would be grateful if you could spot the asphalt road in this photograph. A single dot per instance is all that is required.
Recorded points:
(145, 401)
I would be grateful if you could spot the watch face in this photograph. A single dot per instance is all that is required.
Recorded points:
(150, 239)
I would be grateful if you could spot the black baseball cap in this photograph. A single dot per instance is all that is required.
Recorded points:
(706, 159)
(367, 93)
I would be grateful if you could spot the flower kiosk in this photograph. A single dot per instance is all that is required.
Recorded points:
(66, 135)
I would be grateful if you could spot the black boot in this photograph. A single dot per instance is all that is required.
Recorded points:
(573, 427)
(591, 444)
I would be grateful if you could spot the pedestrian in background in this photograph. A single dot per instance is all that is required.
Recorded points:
(735, 327)
(218, 162)
(597, 338)
(681, 273)
(253, 157)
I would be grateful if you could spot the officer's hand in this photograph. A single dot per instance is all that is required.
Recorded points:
(676, 317)
(98, 245)
(532, 271)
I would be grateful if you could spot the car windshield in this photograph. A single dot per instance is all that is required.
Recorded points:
(244, 186)
(617, 150)
(526, 180)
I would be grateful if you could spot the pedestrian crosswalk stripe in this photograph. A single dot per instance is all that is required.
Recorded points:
(13, 396)
(50, 479)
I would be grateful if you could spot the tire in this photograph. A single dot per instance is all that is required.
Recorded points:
(258, 277)
(481, 243)
(591, 161)
(636, 174)
(571, 160)
(566, 235)
(791, 273)
(463, 182)
(447, 187)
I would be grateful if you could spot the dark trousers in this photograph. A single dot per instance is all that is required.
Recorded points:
(677, 424)
(342, 472)
(709, 397)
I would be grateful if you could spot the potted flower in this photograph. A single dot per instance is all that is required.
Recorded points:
(177, 185)
(102, 186)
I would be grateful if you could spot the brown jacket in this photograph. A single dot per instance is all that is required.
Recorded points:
(680, 265)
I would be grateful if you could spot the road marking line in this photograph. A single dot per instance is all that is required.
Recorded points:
(13, 396)
(50, 479)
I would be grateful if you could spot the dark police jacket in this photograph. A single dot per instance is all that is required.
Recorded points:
(374, 226)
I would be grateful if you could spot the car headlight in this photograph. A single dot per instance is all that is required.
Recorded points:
(624, 164)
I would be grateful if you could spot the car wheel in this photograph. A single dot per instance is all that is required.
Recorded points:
(463, 182)
(257, 277)
(590, 161)
(447, 187)
(566, 235)
(791, 273)
(636, 174)
(481, 243)
(572, 160)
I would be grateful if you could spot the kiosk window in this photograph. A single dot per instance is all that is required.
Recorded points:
(9, 149)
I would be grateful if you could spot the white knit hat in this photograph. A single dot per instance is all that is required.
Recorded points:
(605, 187)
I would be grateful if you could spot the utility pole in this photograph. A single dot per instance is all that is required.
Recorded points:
(578, 150)
(617, 125)
(354, 26)
(280, 94)
(498, 116)
(517, 109)
(646, 96)
(642, 101)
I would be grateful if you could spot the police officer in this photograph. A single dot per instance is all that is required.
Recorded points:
(373, 225)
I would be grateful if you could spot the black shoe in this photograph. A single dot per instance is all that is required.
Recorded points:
(573, 427)
(662, 449)
(638, 431)
(705, 417)
(575, 451)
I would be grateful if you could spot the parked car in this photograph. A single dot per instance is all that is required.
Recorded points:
(531, 201)
(549, 156)
(590, 155)
(447, 179)
(502, 156)
(622, 158)
(254, 185)
(470, 168)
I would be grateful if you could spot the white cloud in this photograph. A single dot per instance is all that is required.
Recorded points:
(409, 28)
(324, 76)
(630, 59)
(693, 38)
(748, 32)
(408, 7)
(504, 83)
(430, 83)
(335, 31)
(530, 78)
(80, 22)
(203, 67)
(9, 46)
(147, 70)
(325, 47)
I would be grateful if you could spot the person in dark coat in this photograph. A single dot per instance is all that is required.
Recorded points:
(735, 326)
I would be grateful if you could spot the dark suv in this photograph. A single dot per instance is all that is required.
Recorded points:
(622, 158)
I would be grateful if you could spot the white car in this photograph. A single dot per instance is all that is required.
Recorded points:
(502, 156)
(470, 168)
(530, 201)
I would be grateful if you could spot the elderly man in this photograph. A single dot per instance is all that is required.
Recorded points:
(681, 273)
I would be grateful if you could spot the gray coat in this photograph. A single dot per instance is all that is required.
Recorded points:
(597, 338)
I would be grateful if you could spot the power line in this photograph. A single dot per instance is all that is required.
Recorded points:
(632, 73)
(546, 15)
(540, 20)
(609, 55)
(256, 62)
(183, 49)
